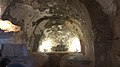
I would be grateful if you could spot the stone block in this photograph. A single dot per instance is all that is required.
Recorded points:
(14, 50)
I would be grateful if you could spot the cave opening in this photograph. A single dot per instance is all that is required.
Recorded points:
(59, 38)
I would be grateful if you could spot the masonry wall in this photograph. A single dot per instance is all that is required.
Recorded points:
(105, 25)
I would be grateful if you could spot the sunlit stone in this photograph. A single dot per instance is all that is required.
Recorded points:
(59, 38)
(7, 26)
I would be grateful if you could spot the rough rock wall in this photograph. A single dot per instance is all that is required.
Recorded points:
(116, 44)
(108, 6)
(112, 8)
(103, 33)
(25, 13)
(3, 5)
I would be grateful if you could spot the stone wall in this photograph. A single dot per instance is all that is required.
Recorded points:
(26, 13)
(16, 53)
(103, 33)
(116, 40)
(105, 26)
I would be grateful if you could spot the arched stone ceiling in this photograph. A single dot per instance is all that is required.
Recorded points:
(108, 6)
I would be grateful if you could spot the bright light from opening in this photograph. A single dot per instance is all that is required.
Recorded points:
(75, 45)
(7, 26)
(46, 46)
(59, 39)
